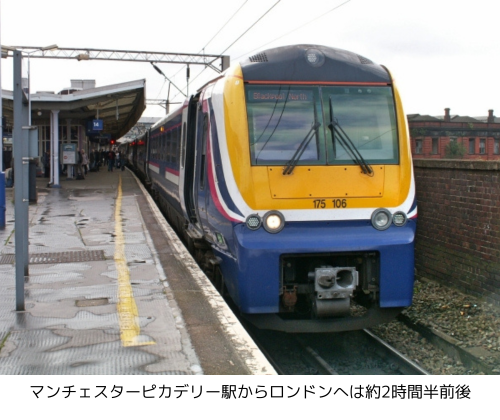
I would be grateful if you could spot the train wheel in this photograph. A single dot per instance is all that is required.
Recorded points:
(189, 243)
(219, 281)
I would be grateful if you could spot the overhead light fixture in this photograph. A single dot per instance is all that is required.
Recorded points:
(50, 47)
(7, 48)
(81, 57)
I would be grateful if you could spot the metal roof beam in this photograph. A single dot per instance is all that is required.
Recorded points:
(80, 54)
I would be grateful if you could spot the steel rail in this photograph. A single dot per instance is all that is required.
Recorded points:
(407, 365)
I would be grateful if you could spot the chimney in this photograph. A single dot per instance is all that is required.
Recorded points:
(447, 114)
(491, 117)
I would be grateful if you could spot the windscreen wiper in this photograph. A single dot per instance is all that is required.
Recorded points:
(292, 163)
(330, 126)
(347, 143)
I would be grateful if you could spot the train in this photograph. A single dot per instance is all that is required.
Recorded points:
(290, 178)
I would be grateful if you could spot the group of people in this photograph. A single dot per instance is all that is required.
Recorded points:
(91, 162)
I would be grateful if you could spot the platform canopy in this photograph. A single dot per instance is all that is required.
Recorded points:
(119, 106)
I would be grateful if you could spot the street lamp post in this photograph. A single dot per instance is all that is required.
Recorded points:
(21, 174)
(21, 168)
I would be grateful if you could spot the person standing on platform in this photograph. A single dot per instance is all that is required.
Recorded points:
(79, 165)
(104, 157)
(85, 162)
(46, 164)
(92, 162)
(122, 161)
(98, 159)
(111, 160)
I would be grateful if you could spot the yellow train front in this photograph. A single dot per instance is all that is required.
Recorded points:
(298, 173)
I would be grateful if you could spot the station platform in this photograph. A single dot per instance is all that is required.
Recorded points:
(112, 290)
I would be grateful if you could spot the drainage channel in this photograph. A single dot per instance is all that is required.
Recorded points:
(57, 257)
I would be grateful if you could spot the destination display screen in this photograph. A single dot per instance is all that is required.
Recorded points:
(265, 95)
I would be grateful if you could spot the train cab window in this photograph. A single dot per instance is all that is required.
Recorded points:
(280, 120)
(362, 118)
(321, 125)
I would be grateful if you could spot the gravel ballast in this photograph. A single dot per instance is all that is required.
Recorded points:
(468, 322)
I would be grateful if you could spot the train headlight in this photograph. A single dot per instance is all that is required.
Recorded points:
(399, 218)
(253, 222)
(381, 219)
(274, 221)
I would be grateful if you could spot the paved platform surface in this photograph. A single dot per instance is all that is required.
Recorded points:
(111, 290)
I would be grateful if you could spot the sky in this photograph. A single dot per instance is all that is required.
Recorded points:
(441, 53)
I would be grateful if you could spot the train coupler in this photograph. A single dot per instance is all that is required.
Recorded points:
(333, 289)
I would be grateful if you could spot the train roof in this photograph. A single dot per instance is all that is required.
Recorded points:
(169, 116)
(312, 63)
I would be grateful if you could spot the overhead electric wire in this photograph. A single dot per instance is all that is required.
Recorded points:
(255, 23)
(241, 36)
(296, 29)
(270, 42)
(288, 33)
(206, 45)
(223, 26)
(218, 32)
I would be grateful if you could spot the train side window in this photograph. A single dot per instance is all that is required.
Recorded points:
(175, 147)
(173, 151)
(170, 139)
(203, 151)
(183, 146)
(164, 146)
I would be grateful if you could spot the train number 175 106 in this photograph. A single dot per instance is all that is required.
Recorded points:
(336, 204)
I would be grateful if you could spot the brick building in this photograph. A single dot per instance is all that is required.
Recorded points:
(476, 138)
(458, 233)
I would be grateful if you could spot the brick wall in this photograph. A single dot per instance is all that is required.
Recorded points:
(458, 230)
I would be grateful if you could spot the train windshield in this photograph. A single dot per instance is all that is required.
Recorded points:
(280, 118)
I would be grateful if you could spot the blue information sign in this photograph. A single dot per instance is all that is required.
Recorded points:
(97, 125)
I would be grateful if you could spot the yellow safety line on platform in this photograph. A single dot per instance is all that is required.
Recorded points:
(127, 308)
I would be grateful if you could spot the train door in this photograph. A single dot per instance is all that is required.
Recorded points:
(146, 157)
(201, 184)
(190, 161)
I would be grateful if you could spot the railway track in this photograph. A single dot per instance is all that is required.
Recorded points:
(349, 353)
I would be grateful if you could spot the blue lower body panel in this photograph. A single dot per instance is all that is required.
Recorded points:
(253, 277)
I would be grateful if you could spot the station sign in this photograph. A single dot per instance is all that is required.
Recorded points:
(69, 154)
(97, 125)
